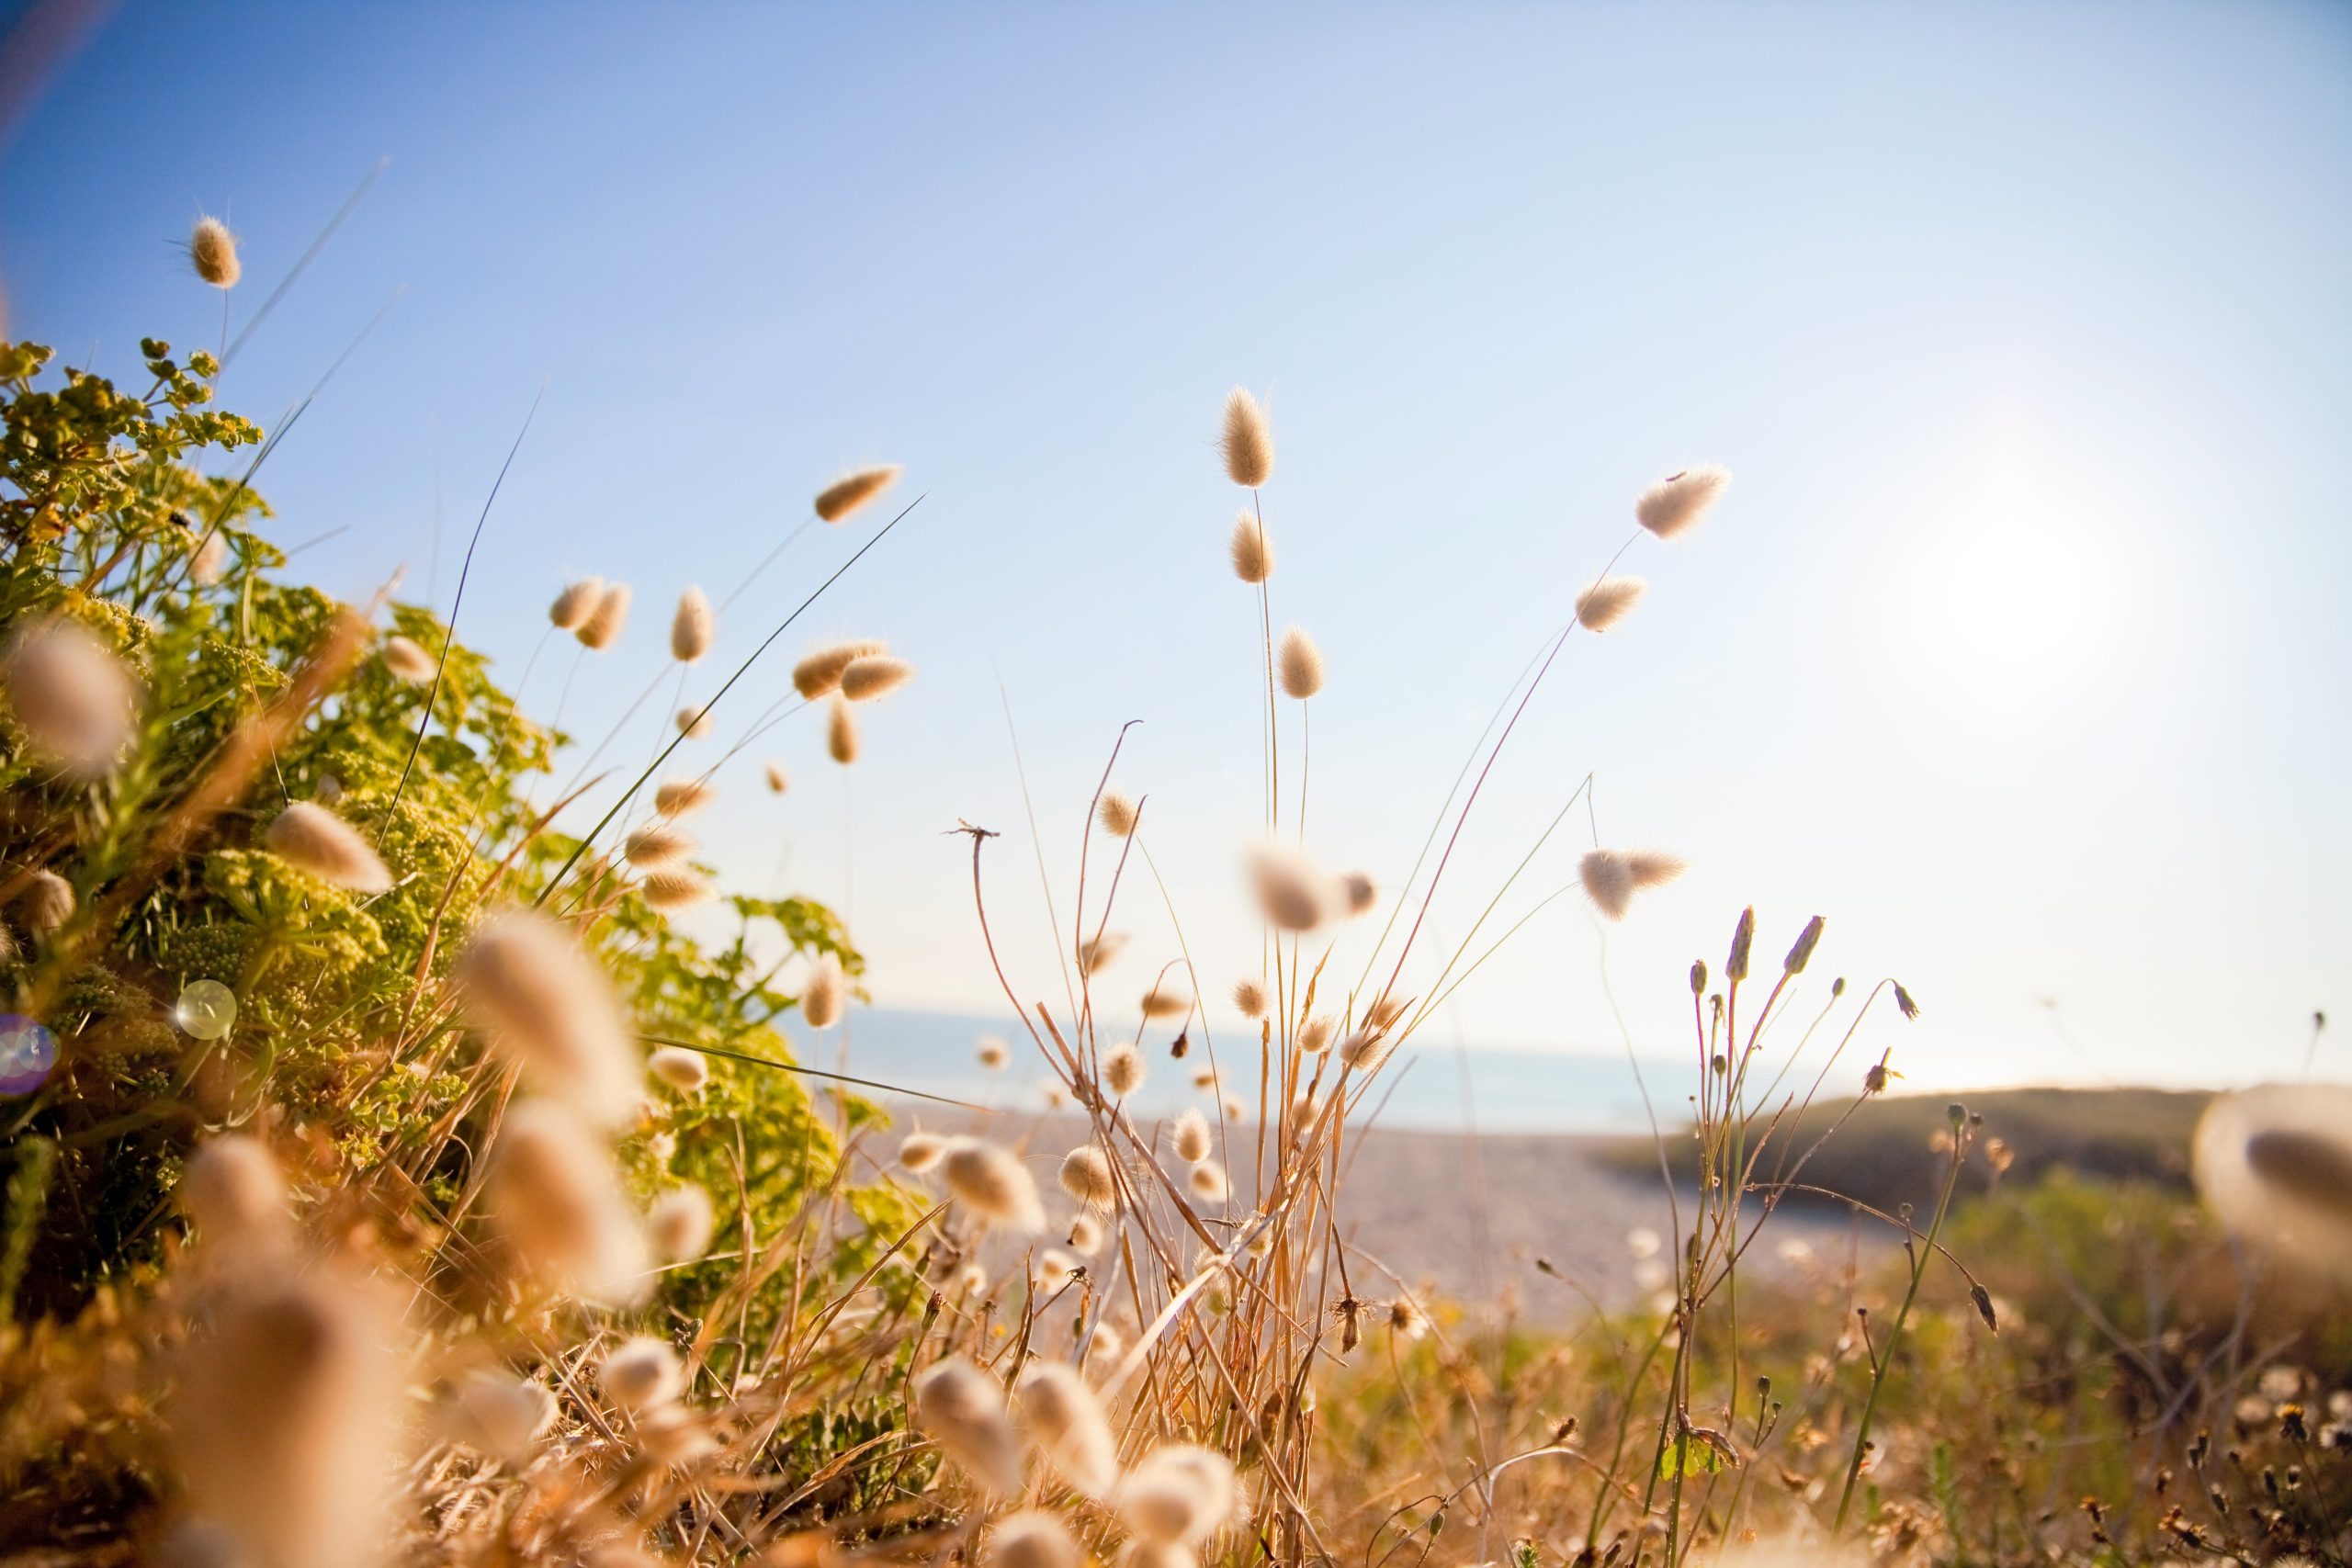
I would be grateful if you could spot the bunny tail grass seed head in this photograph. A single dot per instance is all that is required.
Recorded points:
(671, 891)
(210, 562)
(993, 1052)
(313, 840)
(918, 1152)
(874, 675)
(1652, 868)
(1253, 552)
(1612, 878)
(1300, 663)
(840, 733)
(1316, 1033)
(235, 1194)
(991, 1182)
(692, 627)
(1608, 601)
(2274, 1164)
(1096, 953)
(656, 844)
(46, 904)
(1166, 1000)
(578, 601)
(820, 672)
(684, 1070)
(846, 494)
(1292, 895)
(677, 798)
(778, 780)
(1030, 1538)
(641, 1374)
(1064, 1421)
(557, 1202)
(1358, 893)
(1123, 1070)
(1208, 1183)
(696, 722)
(70, 693)
(1248, 441)
(1086, 1177)
(962, 1409)
(1116, 813)
(1085, 1233)
(679, 1225)
(1680, 499)
(1249, 998)
(407, 659)
(212, 250)
(1366, 1050)
(824, 993)
(1177, 1495)
(1191, 1140)
(504, 1414)
(285, 1419)
(603, 627)
(528, 984)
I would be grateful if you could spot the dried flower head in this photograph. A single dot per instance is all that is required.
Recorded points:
(313, 840)
(1208, 1181)
(680, 1224)
(578, 601)
(918, 1152)
(691, 627)
(407, 660)
(1681, 498)
(846, 494)
(603, 627)
(1248, 441)
(656, 844)
(1608, 601)
(1191, 1139)
(1123, 1070)
(1086, 1177)
(46, 903)
(1116, 813)
(1030, 1539)
(993, 1052)
(70, 693)
(875, 675)
(840, 733)
(212, 250)
(1250, 997)
(987, 1179)
(1166, 999)
(1300, 664)
(530, 985)
(1177, 1495)
(962, 1409)
(778, 780)
(695, 722)
(677, 798)
(558, 1202)
(684, 1070)
(641, 1374)
(1293, 895)
(824, 993)
(820, 672)
(1407, 1320)
(285, 1421)
(672, 890)
(1064, 1421)
(1253, 552)
(236, 1194)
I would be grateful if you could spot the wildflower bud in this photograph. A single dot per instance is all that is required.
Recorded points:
(1837, 987)
(1743, 936)
(1801, 954)
(1903, 1001)
(1984, 1300)
(1698, 976)
(1957, 1114)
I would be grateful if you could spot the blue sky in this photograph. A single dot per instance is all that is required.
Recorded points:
(2018, 649)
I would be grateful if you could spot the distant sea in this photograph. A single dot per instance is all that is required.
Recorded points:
(1429, 1087)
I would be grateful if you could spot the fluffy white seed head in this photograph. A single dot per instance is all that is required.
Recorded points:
(504, 1414)
(672, 890)
(210, 562)
(1248, 441)
(641, 1374)
(1085, 1233)
(962, 1409)
(558, 1204)
(212, 252)
(1300, 664)
(690, 628)
(46, 904)
(841, 732)
(1178, 1494)
(679, 1225)
(684, 1070)
(1065, 1420)
(407, 659)
(1366, 1050)
(987, 1179)
(1168, 999)
(1612, 878)
(311, 839)
(824, 993)
(603, 627)
(578, 601)
(70, 693)
(1116, 813)
(1191, 1140)
(1123, 1070)
(1097, 951)
(1608, 601)
(1208, 1183)
(1358, 893)
(1679, 500)
(545, 1001)
(236, 1194)
(875, 675)
(658, 844)
(695, 721)
(993, 1052)
(1250, 997)
(677, 797)
(1030, 1539)
(849, 492)
(821, 670)
(921, 1151)
(1086, 1177)
(1315, 1035)
(1253, 552)
(1292, 894)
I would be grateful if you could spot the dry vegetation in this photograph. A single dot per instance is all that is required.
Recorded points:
(407, 1187)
